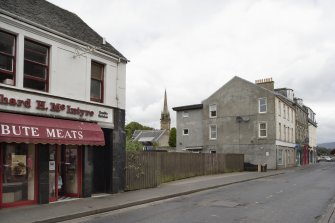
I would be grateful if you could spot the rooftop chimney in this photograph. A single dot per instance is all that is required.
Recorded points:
(267, 83)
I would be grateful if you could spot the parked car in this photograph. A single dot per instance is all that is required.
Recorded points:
(325, 159)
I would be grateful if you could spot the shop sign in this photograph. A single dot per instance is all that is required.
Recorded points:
(18, 101)
(30, 131)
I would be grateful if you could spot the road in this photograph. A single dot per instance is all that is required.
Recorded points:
(299, 195)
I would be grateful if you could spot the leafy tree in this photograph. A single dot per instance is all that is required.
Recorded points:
(132, 126)
(133, 146)
(322, 151)
(172, 137)
(332, 152)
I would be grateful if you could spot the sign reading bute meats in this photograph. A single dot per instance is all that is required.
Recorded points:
(17, 101)
(44, 132)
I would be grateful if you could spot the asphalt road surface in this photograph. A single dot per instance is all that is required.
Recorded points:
(299, 195)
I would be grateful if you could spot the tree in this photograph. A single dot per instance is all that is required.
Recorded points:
(322, 151)
(132, 126)
(172, 137)
(332, 152)
(133, 146)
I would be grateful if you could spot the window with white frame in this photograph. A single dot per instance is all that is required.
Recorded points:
(212, 132)
(262, 129)
(279, 108)
(262, 104)
(212, 111)
(185, 132)
(279, 128)
(7, 58)
(288, 113)
(185, 114)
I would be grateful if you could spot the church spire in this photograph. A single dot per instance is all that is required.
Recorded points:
(165, 109)
(165, 115)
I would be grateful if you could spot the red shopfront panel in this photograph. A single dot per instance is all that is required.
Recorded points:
(30, 129)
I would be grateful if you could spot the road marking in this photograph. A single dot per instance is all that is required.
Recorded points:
(269, 196)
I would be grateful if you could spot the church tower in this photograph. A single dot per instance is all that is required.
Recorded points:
(165, 115)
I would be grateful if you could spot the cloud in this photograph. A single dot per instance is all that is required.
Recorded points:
(192, 48)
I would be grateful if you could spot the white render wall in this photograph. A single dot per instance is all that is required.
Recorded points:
(69, 77)
(312, 136)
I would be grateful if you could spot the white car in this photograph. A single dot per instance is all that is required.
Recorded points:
(325, 158)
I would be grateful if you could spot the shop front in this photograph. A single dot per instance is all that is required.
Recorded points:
(41, 159)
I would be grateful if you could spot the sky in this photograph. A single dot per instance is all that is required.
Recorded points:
(193, 47)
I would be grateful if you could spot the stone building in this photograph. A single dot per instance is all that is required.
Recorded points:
(241, 117)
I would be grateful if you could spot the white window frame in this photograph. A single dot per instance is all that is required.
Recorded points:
(262, 105)
(187, 132)
(259, 129)
(213, 108)
(186, 114)
(210, 132)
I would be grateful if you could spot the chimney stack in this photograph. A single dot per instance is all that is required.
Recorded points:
(267, 83)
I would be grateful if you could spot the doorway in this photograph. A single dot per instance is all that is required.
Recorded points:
(65, 170)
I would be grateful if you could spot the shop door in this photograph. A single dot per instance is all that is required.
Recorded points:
(64, 172)
(69, 175)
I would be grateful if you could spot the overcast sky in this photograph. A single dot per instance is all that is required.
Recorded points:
(193, 47)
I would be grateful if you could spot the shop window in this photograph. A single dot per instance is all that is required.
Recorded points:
(97, 76)
(280, 157)
(18, 175)
(7, 58)
(36, 66)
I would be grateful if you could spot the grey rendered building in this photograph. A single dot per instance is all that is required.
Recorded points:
(241, 117)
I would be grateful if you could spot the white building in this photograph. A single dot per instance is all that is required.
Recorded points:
(62, 106)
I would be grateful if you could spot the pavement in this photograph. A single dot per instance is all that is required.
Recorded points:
(76, 208)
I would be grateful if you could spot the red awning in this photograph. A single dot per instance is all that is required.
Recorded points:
(31, 129)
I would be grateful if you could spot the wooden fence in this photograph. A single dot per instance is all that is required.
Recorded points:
(149, 169)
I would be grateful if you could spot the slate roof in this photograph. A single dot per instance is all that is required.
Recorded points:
(147, 135)
(188, 107)
(55, 18)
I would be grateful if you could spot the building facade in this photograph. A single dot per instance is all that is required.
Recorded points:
(62, 106)
(312, 135)
(241, 117)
